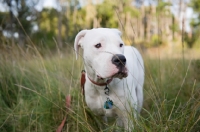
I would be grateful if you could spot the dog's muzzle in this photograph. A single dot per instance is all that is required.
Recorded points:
(119, 61)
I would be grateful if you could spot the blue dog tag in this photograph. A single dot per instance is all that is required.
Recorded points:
(108, 104)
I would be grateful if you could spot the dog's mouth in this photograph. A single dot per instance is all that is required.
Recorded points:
(122, 73)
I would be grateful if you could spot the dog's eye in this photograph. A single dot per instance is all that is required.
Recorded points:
(120, 45)
(98, 45)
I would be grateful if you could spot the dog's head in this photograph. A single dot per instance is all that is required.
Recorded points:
(103, 51)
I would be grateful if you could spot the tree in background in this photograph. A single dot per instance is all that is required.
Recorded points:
(106, 15)
(163, 17)
(3, 18)
(19, 13)
(47, 27)
(151, 24)
(194, 36)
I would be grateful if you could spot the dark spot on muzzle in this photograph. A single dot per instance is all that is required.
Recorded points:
(119, 60)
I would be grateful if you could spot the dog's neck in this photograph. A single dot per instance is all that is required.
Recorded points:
(101, 83)
(93, 78)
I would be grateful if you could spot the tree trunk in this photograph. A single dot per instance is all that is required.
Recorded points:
(59, 36)
(11, 21)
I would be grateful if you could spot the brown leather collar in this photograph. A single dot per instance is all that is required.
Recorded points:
(101, 84)
(96, 83)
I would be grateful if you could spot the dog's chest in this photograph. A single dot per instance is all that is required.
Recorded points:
(96, 104)
(96, 100)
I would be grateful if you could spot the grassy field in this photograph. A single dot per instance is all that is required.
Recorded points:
(33, 88)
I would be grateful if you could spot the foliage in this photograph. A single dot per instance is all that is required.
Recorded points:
(195, 24)
(196, 68)
(174, 27)
(51, 25)
(195, 4)
(191, 39)
(12, 21)
(47, 28)
(106, 12)
(133, 11)
(160, 8)
(155, 41)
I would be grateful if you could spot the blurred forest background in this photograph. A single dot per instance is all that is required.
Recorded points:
(149, 23)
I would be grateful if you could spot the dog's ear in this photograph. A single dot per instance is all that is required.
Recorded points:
(117, 31)
(78, 40)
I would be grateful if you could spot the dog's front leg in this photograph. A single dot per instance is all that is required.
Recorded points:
(125, 122)
(120, 122)
(105, 119)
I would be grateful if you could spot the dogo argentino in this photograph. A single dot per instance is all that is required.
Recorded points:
(114, 74)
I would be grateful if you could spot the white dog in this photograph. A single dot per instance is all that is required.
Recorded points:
(114, 74)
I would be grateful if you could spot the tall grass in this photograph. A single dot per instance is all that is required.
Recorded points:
(171, 96)
(33, 88)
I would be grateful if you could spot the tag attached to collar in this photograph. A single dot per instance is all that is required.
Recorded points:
(106, 90)
(108, 104)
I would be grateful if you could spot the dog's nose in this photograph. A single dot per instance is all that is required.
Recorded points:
(119, 60)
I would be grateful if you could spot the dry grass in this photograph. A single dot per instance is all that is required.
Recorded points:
(33, 87)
